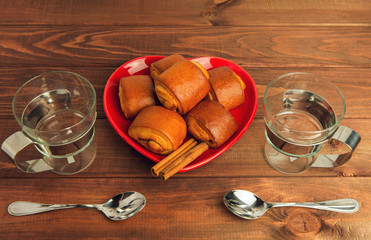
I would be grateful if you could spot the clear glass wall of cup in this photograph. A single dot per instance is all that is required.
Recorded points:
(56, 112)
(302, 114)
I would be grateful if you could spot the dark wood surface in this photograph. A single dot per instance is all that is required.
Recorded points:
(267, 38)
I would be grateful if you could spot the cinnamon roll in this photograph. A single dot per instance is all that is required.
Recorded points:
(158, 129)
(227, 87)
(211, 122)
(182, 86)
(135, 93)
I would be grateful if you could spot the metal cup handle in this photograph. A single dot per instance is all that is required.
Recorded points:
(339, 149)
(16, 143)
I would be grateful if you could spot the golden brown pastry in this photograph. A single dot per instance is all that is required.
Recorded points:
(210, 122)
(182, 86)
(161, 65)
(227, 87)
(158, 129)
(135, 93)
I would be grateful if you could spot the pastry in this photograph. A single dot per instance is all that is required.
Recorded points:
(161, 65)
(211, 122)
(182, 86)
(158, 129)
(227, 87)
(135, 93)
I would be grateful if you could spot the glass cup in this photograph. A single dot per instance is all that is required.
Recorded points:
(56, 112)
(302, 114)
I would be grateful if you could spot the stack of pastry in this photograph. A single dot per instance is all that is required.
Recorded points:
(191, 98)
(211, 124)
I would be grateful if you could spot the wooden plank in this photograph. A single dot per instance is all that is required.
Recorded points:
(266, 37)
(115, 158)
(352, 82)
(190, 12)
(191, 209)
(68, 46)
(289, 13)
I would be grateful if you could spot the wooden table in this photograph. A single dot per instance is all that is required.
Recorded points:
(267, 38)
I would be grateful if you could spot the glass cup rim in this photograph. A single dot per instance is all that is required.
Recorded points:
(90, 112)
(334, 126)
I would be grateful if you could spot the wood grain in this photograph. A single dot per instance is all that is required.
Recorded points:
(267, 38)
(190, 12)
(353, 83)
(199, 203)
(69, 46)
(115, 158)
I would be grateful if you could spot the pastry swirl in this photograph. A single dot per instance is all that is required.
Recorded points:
(161, 65)
(158, 129)
(210, 122)
(182, 86)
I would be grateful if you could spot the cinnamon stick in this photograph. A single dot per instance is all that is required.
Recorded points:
(183, 160)
(172, 156)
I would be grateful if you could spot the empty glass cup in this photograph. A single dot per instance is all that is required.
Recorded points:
(56, 112)
(302, 114)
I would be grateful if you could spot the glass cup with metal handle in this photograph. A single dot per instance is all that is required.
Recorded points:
(302, 113)
(56, 112)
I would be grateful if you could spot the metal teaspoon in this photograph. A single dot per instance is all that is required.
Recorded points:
(247, 205)
(120, 207)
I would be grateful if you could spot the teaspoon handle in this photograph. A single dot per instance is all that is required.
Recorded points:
(346, 205)
(21, 208)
